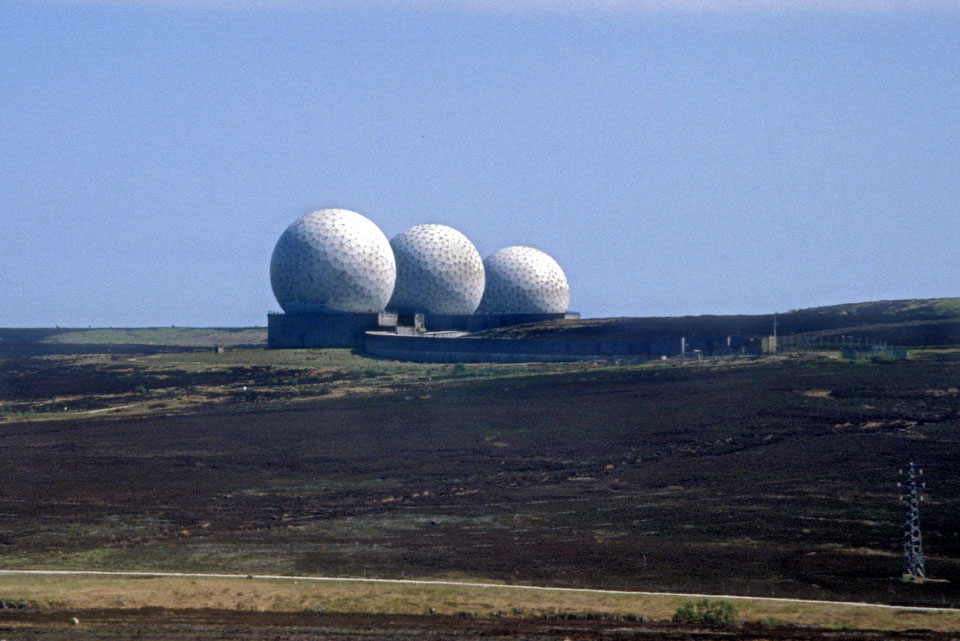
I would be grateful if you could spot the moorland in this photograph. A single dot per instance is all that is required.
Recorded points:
(772, 476)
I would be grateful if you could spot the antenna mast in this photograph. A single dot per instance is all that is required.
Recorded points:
(913, 567)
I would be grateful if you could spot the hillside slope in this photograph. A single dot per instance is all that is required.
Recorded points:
(773, 477)
(912, 322)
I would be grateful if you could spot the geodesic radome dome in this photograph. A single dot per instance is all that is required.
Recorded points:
(524, 280)
(439, 271)
(332, 260)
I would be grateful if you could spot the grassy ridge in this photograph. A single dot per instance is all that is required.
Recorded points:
(183, 336)
(16, 342)
(911, 322)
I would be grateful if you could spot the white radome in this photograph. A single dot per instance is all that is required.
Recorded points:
(332, 260)
(524, 280)
(439, 271)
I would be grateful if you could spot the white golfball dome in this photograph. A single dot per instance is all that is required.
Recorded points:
(332, 260)
(439, 271)
(524, 280)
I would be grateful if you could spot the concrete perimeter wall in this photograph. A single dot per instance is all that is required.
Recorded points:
(430, 349)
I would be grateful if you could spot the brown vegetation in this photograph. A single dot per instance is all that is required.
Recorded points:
(774, 477)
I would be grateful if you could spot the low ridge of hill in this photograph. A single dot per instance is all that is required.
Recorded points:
(912, 322)
(66, 340)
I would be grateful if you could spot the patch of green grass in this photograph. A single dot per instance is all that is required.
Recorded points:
(706, 612)
(175, 336)
(844, 625)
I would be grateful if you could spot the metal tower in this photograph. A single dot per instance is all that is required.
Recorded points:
(912, 544)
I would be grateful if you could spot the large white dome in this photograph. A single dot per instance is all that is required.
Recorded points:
(332, 260)
(524, 280)
(439, 271)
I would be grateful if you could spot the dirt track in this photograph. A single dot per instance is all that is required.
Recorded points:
(497, 586)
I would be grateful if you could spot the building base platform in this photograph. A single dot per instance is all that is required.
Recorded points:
(320, 330)
(300, 331)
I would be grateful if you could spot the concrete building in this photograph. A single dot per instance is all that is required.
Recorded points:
(321, 330)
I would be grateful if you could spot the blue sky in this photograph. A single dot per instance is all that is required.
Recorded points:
(673, 156)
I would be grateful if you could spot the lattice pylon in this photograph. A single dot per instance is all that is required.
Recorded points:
(913, 565)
